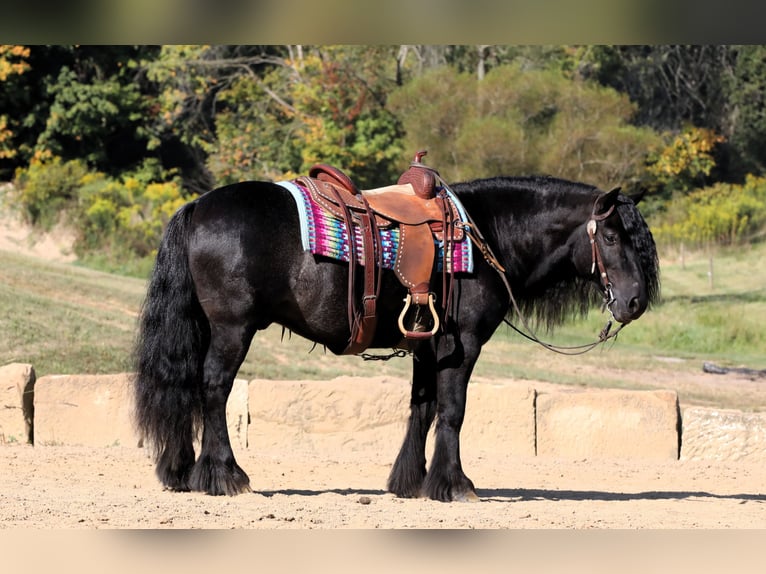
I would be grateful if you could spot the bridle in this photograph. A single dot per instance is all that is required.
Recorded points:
(596, 261)
(592, 227)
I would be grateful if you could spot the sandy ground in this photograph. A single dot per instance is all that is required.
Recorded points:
(54, 488)
(115, 488)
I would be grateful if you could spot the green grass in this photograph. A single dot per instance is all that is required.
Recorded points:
(67, 319)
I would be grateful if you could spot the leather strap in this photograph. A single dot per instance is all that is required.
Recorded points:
(364, 323)
(591, 228)
(351, 307)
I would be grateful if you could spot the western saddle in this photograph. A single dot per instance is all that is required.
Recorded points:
(422, 211)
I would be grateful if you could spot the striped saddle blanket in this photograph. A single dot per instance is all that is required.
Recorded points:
(326, 235)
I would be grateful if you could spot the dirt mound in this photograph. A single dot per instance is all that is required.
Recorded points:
(19, 237)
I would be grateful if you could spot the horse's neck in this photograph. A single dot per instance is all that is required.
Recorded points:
(530, 237)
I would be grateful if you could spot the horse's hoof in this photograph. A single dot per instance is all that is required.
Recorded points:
(245, 489)
(179, 488)
(469, 496)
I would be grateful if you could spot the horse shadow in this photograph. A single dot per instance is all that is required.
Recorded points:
(306, 492)
(510, 495)
(532, 494)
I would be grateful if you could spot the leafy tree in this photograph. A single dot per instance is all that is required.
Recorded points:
(13, 62)
(746, 129)
(685, 162)
(672, 85)
(255, 132)
(715, 87)
(190, 82)
(522, 121)
(92, 120)
(82, 102)
(320, 105)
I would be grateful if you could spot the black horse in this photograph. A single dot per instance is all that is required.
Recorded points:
(231, 263)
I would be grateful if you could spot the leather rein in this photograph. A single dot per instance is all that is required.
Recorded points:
(473, 232)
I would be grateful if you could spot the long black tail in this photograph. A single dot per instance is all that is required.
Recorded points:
(173, 336)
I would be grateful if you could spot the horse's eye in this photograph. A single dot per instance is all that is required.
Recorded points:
(610, 239)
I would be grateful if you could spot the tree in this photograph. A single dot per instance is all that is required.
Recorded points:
(13, 62)
(672, 85)
(77, 102)
(190, 82)
(319, 105)
(715, 87)
(746, 128)
(685, 162)
(523, 121)
(94, 119)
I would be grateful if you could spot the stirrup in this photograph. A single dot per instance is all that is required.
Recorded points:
(419, 334)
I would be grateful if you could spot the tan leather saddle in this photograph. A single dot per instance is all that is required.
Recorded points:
(421, 213)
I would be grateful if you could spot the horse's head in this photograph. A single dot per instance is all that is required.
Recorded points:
(620, 256)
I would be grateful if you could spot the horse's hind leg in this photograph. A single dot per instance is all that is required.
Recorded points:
(216, 471)
(409, 470)
(176, 458)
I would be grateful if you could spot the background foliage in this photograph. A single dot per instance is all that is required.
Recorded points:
(112, 139)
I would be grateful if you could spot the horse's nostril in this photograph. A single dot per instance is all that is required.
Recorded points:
(634, 305)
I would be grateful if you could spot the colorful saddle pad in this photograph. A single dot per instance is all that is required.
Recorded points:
(323, 234)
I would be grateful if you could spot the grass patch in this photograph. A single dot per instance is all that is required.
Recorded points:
(67, 319)
(64, 319)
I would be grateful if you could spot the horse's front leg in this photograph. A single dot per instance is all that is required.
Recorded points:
(445, 479)
(216, 471)
(409, 470)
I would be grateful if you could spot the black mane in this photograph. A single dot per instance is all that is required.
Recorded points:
(498, 203)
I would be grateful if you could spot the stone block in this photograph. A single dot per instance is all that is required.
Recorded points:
(723, 435)
(342, 415)
(84, 410)
(499, 417)
(348, 414)
(97, 410)
(608, 423)
(17, 384)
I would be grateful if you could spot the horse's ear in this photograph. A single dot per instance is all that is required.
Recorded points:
(606, 201)
(637, 196)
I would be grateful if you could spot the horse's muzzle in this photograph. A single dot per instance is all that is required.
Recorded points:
(627, 307)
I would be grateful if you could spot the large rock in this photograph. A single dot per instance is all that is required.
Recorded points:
(17, 384)
(342, 415)
(608, 423)
(499, 417)
(349, 414)
(97, 410)
(725, 435)
(84, 410)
